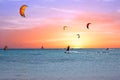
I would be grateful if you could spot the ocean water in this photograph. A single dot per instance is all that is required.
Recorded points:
(54, 64)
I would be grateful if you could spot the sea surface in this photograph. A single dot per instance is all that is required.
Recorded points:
(54, 64)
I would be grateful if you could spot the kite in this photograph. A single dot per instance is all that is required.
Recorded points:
(22, 10)
(64, 27)
(88, 25)
(78, 35)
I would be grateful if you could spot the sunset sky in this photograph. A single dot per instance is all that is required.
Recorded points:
(45, 19)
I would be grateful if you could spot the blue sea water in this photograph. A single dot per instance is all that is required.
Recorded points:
(54, 64)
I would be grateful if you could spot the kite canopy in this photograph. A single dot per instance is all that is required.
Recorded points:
(64, 27)
(78, 35)
(22, 10)
(88, 25)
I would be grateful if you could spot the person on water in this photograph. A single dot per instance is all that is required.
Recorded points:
(67, 50)
(107, 48)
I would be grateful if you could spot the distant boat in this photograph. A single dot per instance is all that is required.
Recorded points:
(5, 48)
(42, 47)
(67, 50)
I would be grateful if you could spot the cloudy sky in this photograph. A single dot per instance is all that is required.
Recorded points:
(45, 19)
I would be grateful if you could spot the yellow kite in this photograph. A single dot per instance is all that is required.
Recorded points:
(22, 10)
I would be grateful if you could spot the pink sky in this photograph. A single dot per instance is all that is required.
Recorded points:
(43, 24)
(103, 32)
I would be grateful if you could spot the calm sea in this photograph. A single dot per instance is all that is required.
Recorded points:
(54, 64)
